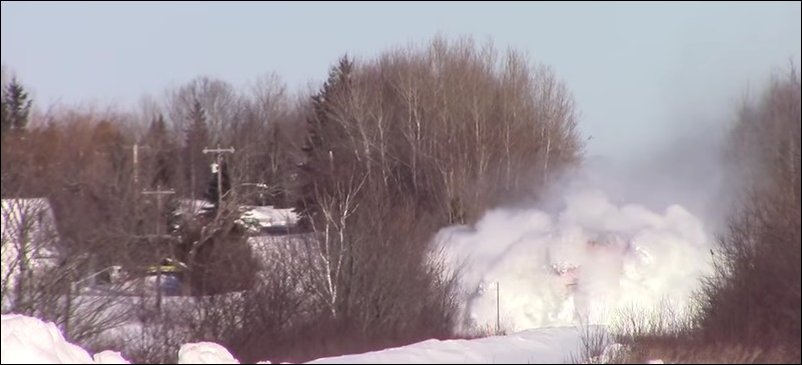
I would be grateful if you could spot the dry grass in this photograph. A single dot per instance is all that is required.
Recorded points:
(676, 351)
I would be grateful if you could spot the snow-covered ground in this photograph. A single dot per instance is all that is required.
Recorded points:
(555, 345)
(193, 206)
(258, 218)
(29, 340)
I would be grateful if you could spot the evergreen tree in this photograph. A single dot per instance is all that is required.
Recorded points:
(5, 121)
(161, 145)
(16, 107)
(320, 143)
(195, 162)
(110, 155)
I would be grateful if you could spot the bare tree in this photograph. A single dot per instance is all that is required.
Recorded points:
(755, 298)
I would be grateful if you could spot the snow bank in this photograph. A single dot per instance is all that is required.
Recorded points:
(27, 340)
(587, 262)
(205, 353)
(109, 357)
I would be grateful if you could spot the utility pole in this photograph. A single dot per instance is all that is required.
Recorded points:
(219, 151)
(158, 193)
(498, 311)
(135, 149)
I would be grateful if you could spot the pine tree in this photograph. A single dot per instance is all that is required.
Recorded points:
(195, 162)
(5, 121)
(16, 107)
(321, 140)
(110, 155)
(162, 148)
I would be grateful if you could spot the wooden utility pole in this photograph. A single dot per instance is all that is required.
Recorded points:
(135, 149)
(219, 160)
(159, 193)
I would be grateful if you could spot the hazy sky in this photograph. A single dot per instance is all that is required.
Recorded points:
(636, 70)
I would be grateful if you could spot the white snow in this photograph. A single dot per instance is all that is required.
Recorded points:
(205, 353)
(539, 346)
(261, 217)
(30, 340)
(193, 207)
(109, 357)
(255, 218)
(27, 340)
(589, 262)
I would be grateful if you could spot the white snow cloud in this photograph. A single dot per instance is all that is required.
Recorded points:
(586, 262)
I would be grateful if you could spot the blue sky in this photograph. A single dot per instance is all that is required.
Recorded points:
(637, 70)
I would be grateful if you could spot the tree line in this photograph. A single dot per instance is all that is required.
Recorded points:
(386, 152)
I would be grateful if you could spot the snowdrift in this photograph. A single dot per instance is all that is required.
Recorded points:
(28, 340)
